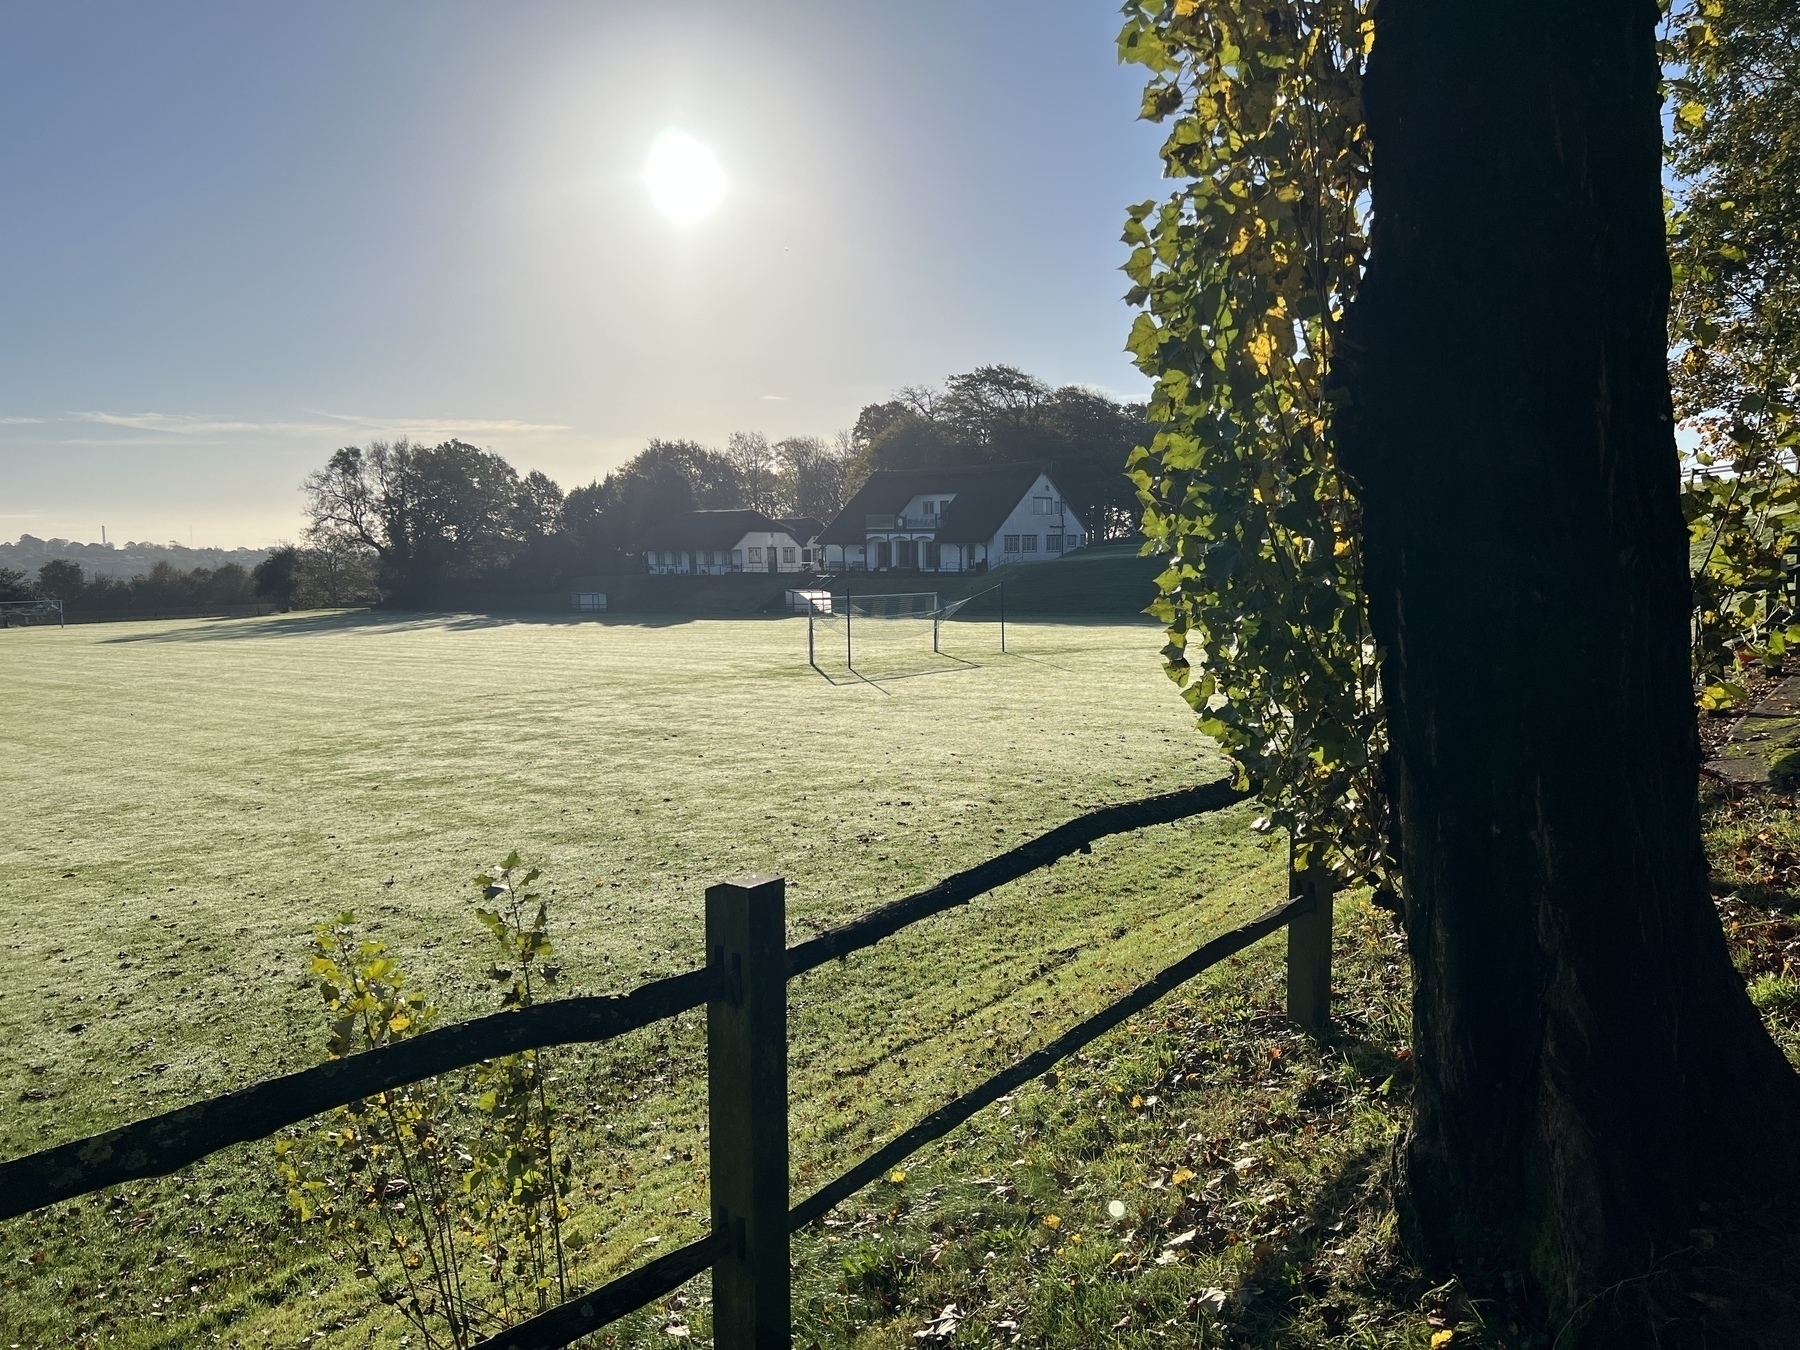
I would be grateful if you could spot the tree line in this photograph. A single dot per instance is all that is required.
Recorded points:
(420, 522)
(163, 589)
(414, 524)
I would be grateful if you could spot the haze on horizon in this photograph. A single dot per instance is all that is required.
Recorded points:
(237, 237)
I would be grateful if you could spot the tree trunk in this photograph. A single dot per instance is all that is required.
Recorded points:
(1589, 1067)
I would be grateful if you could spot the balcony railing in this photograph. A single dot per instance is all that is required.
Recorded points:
(873, 522)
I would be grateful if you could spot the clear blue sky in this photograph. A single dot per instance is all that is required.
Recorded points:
(236, 236)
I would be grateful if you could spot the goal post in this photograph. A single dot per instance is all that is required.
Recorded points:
(888, 631)
(950, 610)
(27, 612)
(873, 631)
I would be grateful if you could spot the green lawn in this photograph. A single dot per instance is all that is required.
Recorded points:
(187, 799)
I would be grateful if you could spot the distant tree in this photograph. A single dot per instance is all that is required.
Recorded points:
(332, 576)
(601, 522)
(876, 418)
(815, 474)
(163, 587)
(992, 405)
(16, 585)
(663, 480)
(62, 579)
(538, 506)
(1090, 436)
(429, 514)
(913, 441)
(277, 576)
(754, 459)
(716, 483)
(228, 584)
(584, 511)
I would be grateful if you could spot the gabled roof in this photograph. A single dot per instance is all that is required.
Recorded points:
(706, 529)
(804, 528)
(985, 495)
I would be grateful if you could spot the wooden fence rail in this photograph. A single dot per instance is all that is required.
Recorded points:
(163, 1144)
(744, 989)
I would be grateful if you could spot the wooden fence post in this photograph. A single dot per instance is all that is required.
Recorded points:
(1309, 950)
(746, 1074)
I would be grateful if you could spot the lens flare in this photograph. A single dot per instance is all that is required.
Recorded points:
(684, 178)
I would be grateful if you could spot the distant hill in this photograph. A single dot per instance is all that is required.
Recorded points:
(121, 560)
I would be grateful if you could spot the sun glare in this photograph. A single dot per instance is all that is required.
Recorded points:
(684, 177)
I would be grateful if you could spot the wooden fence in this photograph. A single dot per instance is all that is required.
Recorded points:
(744, 989)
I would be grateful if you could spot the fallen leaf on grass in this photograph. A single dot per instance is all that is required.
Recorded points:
(942, 1327)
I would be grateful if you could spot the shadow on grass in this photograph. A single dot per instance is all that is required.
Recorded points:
(841, 676)
(390, 621)
(1343, 1257)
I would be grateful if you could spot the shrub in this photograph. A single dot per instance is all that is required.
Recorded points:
(448, 1193)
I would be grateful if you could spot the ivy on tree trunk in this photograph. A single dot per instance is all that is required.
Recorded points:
(1589, 1067)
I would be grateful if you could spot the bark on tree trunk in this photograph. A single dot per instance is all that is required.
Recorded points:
(1589, 1067)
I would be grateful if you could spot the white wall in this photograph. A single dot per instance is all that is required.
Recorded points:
(954, 558)
(718, 562)
(1024, 522)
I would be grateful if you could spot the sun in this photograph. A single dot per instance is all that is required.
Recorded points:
(684, 178)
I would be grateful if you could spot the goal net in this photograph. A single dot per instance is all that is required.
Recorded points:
(23, 612)
(873, 634)
(974, 627)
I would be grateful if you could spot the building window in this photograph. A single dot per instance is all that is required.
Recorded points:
(1028, 543)
(933, 557)
(755, 556)
(1053, 543)
(806, 555)
(1040, 506)
(787, 555)
(1010, 544)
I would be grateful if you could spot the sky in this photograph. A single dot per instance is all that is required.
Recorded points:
(235, 237)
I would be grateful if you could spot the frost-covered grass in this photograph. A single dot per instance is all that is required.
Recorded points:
(189, 799)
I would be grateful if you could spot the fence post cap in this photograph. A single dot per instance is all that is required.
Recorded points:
(752, 881)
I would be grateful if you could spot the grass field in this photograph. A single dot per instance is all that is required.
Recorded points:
(188, 799)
